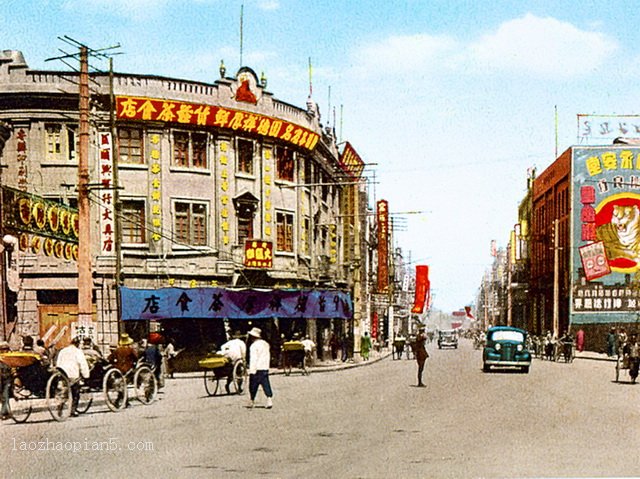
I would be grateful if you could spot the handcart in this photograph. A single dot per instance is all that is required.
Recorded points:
(294, 355)
(34, 382)
(217, 368)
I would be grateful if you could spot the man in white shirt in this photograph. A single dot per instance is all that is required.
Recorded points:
(235, 349)
(309, 348)
(73, 362)
(259, 362)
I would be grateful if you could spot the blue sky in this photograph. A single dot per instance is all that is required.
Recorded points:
(452, 100)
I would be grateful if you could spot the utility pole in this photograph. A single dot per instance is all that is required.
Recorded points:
(509, 294)
(5, 133)
(556, 282)
(85, 276)
(85, 273)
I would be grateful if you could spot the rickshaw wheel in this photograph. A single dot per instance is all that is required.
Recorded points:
(210, 382)
(114, 387)
(85, 401)
(19, 406)
(58, 396)
(287, 366)
(145, 384)
(239, 373)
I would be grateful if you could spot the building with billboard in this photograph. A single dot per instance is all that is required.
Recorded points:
(585, 242)
(194, 187)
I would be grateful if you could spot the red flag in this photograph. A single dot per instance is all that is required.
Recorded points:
(422, 288)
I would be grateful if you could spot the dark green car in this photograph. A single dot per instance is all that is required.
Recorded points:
(506, 347)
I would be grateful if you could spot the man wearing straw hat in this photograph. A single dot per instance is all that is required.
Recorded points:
(259, 361)
(124, 357)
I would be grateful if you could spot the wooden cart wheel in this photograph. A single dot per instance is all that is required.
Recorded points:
(58, 396)
(114, 386)
(145, 384)
(210, 382)
(19, 404)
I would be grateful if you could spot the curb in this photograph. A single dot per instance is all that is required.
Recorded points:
(314, 369)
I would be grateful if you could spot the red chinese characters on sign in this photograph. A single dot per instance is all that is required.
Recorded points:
(594, 260)
(105, 174)
(382, 209)
(169, 111)
(422, 289)
(588, 214)
(258, 254)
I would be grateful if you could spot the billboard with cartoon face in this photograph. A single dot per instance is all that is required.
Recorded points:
(606, 234)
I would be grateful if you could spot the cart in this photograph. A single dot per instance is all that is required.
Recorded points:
(217, 368)
(104, 378)
(294, 355)
(34, 382)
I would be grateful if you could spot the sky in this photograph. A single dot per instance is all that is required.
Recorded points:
(448, 102)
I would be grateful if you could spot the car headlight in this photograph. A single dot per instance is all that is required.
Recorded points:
(498, 346)
(519, 348)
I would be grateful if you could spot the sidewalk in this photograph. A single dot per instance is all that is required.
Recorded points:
(595, 356)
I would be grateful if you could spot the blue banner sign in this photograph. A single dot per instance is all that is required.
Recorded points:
(219, 303)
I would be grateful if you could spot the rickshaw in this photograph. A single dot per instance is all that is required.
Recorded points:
(218, 367)
(32, 380)
(105, 377)
(294, 355)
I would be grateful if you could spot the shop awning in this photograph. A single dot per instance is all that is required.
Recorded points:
(219, 303)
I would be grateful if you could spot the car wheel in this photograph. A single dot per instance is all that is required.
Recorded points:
(486, 368)
(525, 369)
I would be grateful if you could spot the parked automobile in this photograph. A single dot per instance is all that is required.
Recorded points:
(506, 346)
(447, 339)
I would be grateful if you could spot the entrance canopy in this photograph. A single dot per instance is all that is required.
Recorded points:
(219, 303)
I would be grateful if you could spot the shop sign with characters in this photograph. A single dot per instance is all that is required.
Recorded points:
(606, 228)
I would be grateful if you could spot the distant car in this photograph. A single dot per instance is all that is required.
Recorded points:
(506, 347)
(447, 339)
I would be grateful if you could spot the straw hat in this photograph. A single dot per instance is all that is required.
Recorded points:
(255, 332)
(125, 340)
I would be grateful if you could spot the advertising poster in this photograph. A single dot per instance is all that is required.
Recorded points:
(606, 233)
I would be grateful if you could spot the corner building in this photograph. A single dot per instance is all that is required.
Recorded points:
(195, 189)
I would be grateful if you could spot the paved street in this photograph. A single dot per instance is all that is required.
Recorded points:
(365, 422)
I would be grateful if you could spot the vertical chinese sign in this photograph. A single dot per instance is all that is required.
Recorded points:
(267, 162)
(107, 212)
(382, 209)
(223, 182)
(422, 289)
(155, 189)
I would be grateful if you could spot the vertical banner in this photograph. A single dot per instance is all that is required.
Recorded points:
(374, 326)
(383, 245)
(107, 211)
(422, 289)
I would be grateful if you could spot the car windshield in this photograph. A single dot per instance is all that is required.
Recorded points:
(507, 336)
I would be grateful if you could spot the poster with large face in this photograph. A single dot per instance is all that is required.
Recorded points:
(606, 217)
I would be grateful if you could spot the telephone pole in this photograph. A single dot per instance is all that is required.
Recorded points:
(556, 281)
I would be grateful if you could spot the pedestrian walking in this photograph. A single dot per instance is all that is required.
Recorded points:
(73, 362)
(611, 342)
(259, 361)
(365, 345)
(632, 349)
(421, 354)
(580, 340)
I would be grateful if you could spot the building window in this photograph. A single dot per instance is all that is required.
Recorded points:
(245, 156)
(308, 171)
(245, 228)
(284, 232)
(60, 142)
(189, 149)
(284, 164)
(130, 146)
(133, 223)
(190, 224)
